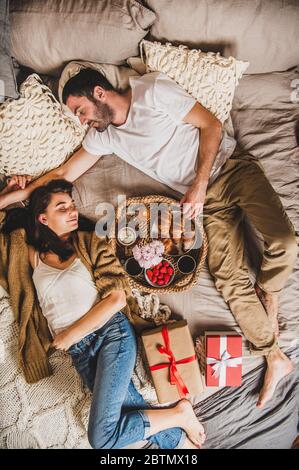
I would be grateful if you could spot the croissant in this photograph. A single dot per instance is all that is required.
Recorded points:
(168, 244)
(187, 244)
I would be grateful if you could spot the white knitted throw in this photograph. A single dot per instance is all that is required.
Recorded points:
(53, 413)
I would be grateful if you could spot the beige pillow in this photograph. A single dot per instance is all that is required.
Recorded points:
(210, 78)
(35, 134)
(264, 32)
(118, 76)
(47, 34)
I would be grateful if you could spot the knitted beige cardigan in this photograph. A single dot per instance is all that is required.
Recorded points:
(16, 278)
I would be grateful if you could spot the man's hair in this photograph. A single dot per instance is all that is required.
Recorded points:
(83, 84)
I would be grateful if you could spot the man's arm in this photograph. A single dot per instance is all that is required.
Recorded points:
(210, 137)
(78, 164)
(210, 130)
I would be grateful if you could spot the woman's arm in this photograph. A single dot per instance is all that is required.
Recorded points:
(74, 167)
(13, 185)
(95, 318)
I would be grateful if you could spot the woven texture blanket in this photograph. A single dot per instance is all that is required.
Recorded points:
(53, 413)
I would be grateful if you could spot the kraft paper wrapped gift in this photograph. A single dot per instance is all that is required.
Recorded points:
(223, 359)
(172, 361)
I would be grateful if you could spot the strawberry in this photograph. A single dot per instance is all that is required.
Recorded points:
(160, 276)
(166, 264)
(163, 270)
(156, 271)
(154, 279)
(167, 278)
(149, 273)
(170, 270)
(161, 282)
(159, 265)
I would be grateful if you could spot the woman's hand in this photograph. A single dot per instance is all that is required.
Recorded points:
(14, 190)
(16, 182)
(64, 340)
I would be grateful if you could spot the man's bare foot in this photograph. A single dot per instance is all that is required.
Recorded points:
(188, 421)
(270, 303)
(279, 365)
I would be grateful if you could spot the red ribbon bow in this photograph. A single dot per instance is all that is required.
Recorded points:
(175, 378)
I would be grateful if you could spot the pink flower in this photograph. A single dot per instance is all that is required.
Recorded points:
(148, 255)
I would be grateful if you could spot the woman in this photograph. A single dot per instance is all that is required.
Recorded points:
(82, 291)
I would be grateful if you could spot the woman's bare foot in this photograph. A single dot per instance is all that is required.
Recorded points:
(270, 303)
(188, 444)
(279, 365)
(188, 421)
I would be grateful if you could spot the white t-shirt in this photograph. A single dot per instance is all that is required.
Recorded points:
(154, 137)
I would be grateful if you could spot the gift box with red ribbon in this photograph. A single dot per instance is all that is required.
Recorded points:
(223, 359)
(172, 362)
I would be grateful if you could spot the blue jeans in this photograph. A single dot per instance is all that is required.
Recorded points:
(105, 360)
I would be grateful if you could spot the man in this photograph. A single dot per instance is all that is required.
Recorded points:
(159, 128)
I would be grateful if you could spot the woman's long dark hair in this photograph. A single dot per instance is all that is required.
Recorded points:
(40, 236)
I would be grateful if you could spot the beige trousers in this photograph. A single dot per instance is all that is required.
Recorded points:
(243, 188)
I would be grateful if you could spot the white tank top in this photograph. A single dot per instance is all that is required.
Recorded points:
(65, 295)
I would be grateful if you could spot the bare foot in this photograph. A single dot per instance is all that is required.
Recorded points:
(270, 304)
(188, 444)
(188, 421)
(279, 365)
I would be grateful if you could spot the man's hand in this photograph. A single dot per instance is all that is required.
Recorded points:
(64, 340)
(193, 200)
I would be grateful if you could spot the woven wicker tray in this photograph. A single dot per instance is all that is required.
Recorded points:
(181, 281)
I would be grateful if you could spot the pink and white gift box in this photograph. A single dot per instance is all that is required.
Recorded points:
(223, 359)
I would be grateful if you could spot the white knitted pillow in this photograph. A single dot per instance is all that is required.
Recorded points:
(210, 78)
(35, 134)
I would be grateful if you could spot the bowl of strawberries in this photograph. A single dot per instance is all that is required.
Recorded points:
(160, 275)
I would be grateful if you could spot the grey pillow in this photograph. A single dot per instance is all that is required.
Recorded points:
(48, 34)
(8, 86)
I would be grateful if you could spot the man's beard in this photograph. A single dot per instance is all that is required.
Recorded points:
(104, 115)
